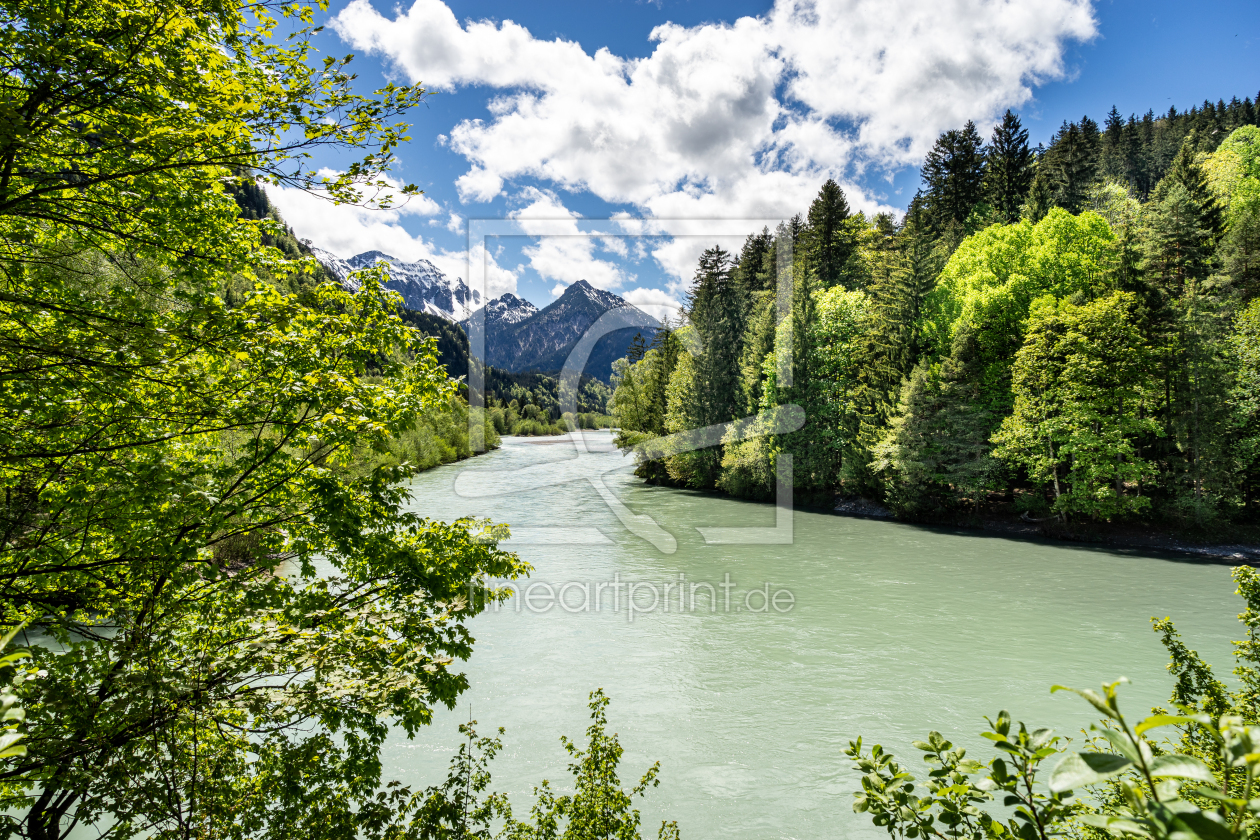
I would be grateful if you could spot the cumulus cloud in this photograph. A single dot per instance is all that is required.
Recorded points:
(346, 230)
(655, 302)
(498, 280)
(561, 251)
(739, 120)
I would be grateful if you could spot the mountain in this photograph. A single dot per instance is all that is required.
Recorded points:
(519, 336)
(520, 340)
(508, 309)
(423, 286)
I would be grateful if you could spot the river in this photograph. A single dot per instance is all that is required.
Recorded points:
(887, 631)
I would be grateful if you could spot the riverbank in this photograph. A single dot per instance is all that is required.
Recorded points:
(1241, 543)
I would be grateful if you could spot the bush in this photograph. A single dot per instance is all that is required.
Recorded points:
(439, 436)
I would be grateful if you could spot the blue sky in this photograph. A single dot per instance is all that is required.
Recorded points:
(738, 110)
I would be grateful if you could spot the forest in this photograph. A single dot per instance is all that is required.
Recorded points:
(1067, 333)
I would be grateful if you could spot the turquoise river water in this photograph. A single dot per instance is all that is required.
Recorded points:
(879, 629)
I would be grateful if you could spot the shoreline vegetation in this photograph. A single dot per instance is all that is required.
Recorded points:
(1062, 340)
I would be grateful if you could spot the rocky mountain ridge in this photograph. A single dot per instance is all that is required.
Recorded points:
(543, 340)
(519, 336)
(423, 286)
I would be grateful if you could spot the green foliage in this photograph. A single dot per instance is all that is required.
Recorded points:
(456, 809)
(954, 175)
(123, 122)
(227, 601)
(936, 454)
(994, 276)
(829, 392)
(1084, 389)
(1069, 166)
(829, 242)
(704, 386)
(957, 787)
(440, 435)
(1008, 168)
(235, 605)
(599, 806)
(460, 808)
(12, 715)
(903, 274)
(1245, 401)
(1233, 173)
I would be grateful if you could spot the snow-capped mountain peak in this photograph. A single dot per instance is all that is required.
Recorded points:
(423, 286)
(509, 309)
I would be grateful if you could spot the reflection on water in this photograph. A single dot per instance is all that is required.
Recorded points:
(893, 630)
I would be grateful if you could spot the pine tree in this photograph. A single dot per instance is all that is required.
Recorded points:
(1070, 165)
(637, 348)
(1184, 226)
(1185, 172)
(1040, 194)
(828, 241)
(758, 344)
(935, 454)
(1093, 140)
(954, 174)
(752, 258)
(717, 309)
(664, 357)
(1008, 168)
(1134, 152)
(1114, 163)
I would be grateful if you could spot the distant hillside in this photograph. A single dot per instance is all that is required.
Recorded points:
(501, 387)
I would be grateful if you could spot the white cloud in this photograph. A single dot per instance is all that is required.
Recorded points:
(561, 252)
(455, 224)
(346, 230)
(655, 302)
(499, 280)
(740, 120)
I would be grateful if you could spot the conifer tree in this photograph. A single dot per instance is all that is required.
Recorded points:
(1040, 194)
(637, 348)
(1008, 168)
(1184, 225)
(1185, 172)
(1070, 165)
(829, 242)
(1113, 163)
(893, 340)
(752, 258)
(717, 309)
(758, 344)
(954, 174)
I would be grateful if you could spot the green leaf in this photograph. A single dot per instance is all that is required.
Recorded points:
(1181, 767)
(1095, 699)
(1123, 744)
(1196, 824)
(1156, 721)
(1078, 770)
(1116, 825)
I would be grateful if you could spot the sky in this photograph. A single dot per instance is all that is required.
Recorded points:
(677, 116)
